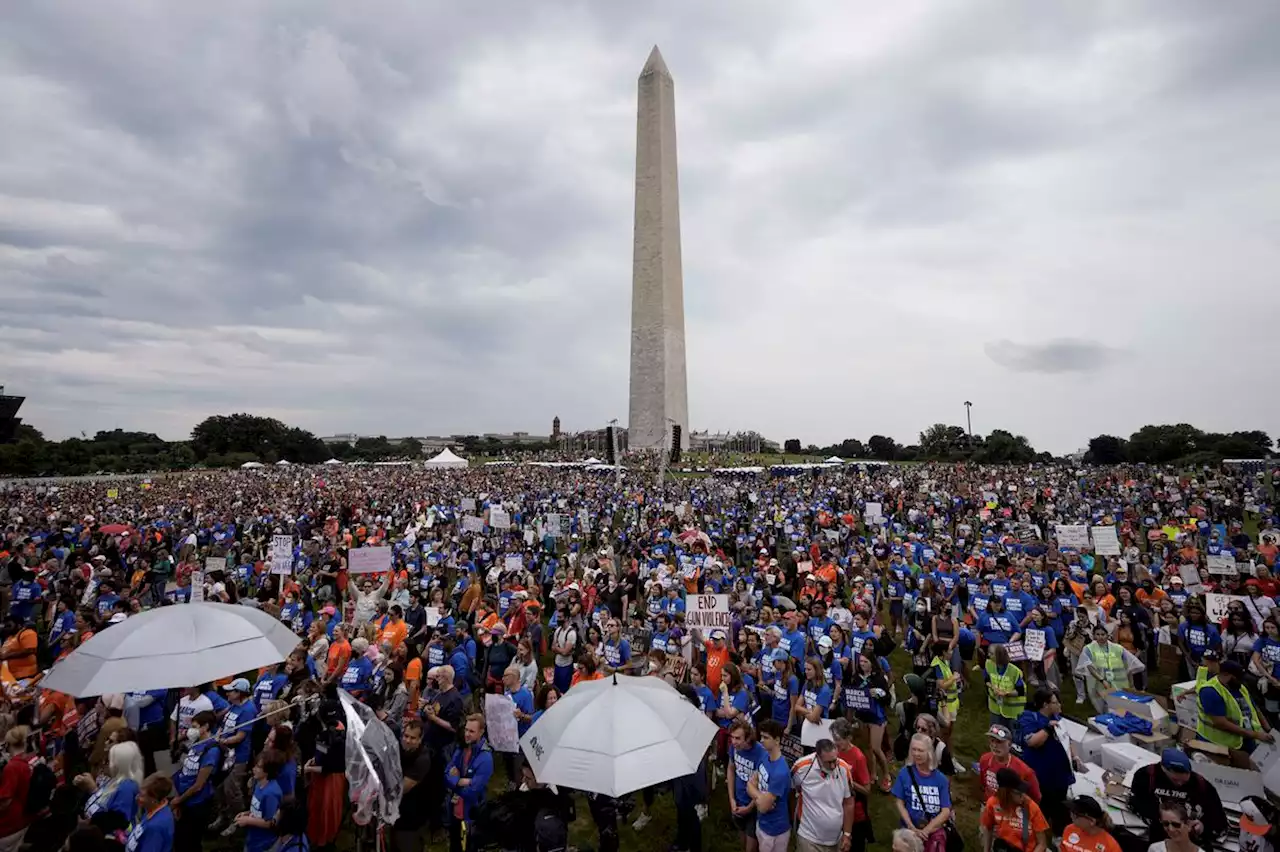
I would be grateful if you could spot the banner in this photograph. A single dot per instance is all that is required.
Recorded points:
(369, 560)
(499, 519)
(1223, 564)
(708, 612)
(1216, 606)
(1073, 536)
(1105, 542)
(281, 554)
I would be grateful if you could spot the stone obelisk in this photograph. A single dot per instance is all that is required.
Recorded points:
(659, 391)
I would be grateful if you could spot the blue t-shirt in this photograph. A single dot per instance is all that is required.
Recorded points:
(1269, 650)
(740, 701)
(775, 778)
(523, 699)
(1049, 762)
(238, 715)
(200, 755)
(23, 599)
(745, 763)
(784, 695)
(1212, 704)
(121, 798)
(288, 778)
(617, 655)
(933, 787)
(1198, 638)
(265, 803)
(357, 677)
(996, 628)
(795, 643)
(151, 832)
(820, 697)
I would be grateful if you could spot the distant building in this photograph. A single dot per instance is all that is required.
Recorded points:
(740, 442)
(555, 430)
(593, 441)
(9, 419)
(348, 438)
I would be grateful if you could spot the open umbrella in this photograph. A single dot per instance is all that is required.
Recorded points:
(115, 529)
(617, 735)
(173, 646)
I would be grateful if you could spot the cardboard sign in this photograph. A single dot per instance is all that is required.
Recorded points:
(1073, 536)
(513, 562)
(708, 612)
(433, 615)
(281, 554)
(792, 748)
(1033, 644)
(472, 524)
(214, 563)
(1224, 564)
(500, 723)
(1215, 606)
(369, 560)
(468, 504)
(499, 519)
(197, 587)
(1105, 542)
(811, 732)
(1017, 653)
(553, 525)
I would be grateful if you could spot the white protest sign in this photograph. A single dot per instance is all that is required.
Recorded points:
(1105, 542)
(832, 535)
(499, 519)
(1223, 564)
(513, 562)
(873, 513)
(553, 524)
(1033, 643)
(214, 563)
(197, 587)
(500, 723)
(470, 523)
(1190, 578)
(1074, 536)
(369, 560)
(468, 504)
(584, 521)
(433, 615)
(811, 732)
(708, 612)
(528, 536)
(281, 554)
(1216, 606)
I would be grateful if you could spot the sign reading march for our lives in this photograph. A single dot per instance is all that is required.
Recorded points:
(499, 519)
(281, 554)
(1216, 606)
(1073, 536)
(708, 612)
(1223, 564)
(369, 560)
(1105, 542)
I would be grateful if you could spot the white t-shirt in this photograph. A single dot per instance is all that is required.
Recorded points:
(187, 709)
(565, 635)
(1162, 847)
(822, 816)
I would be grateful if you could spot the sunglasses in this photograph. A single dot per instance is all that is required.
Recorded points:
(1170, 823)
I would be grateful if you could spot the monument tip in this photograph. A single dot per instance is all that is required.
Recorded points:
(655, 65)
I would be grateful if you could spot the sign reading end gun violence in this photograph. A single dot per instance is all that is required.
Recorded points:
(708, 612)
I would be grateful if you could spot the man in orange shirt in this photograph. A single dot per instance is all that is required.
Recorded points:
(717, 656)
(19, 649)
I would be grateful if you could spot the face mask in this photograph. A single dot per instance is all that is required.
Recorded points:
(524, 788)
(193, 736)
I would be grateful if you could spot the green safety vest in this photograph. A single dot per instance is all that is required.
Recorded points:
(1011, 706)
(952, 694)
(1206, 731)
(1111, 662)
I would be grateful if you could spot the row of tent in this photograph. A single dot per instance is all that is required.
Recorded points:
(446, 459)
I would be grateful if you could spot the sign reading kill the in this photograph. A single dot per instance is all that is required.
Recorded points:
(708, 612)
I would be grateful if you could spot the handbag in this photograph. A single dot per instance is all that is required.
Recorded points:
(955, 843)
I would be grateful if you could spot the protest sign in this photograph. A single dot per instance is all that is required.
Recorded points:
(1017, 653)
(197, 587)
(1216, 606)
(214, 563)
(553, 525)
(1190, 578)
(499, 519)
(1033, 644)
(832, 535)
(1073, 536)
(113, 493)
(433, 615)
(584, 521)
(473, 524)
(281, 554)
(468, 504)
(811, 732)
(708, 612)
(500, 723)
(513, 562)
(792, 748)
(369, 560)
(1224, 564)
(528, 536)
(1105, 542)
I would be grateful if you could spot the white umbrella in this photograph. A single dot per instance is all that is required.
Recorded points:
(616, 735)
(173, 646)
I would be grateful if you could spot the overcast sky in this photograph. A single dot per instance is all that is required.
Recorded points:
(407, 217)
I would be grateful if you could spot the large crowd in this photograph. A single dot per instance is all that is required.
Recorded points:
(527, 580)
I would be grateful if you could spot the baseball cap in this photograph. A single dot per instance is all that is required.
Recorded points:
(717, 634)
(779, 655)
(1087, 806)
(1009, 779)
(824, 642)
(1175, 759)
(1253, 818)
(238, 685)
(999, 732)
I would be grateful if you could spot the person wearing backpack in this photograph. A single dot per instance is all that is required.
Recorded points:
(15, 784)
(1011, 821)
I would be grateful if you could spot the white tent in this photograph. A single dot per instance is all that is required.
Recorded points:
(333, 461)
(835, 460)
(251, 465)
(282, 463)
(447, 459)
(592, 460)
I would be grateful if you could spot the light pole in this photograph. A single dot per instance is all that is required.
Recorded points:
(968, 417)
(617, 456)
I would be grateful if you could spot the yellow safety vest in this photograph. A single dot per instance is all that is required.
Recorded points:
(1011, 706)
(1206, 731)
(952, 694)
(1111, 662)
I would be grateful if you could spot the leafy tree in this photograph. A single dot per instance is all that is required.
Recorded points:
(1004, 447)
(882, 448)
(411, 447)
(791, 446)
(1164, 444)
(939, 441)
(266, 438)
(1107, 449)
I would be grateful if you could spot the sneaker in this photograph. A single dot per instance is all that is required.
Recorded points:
(701, 811)
(217, 825)
(229, 830)
(641, 821)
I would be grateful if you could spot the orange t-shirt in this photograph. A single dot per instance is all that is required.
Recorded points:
(339, 656)
(716, 658)
(1075, 840)
(394, 633)
(1008, 826)
(413, 677)
(23, 667)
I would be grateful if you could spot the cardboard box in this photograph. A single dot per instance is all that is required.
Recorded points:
(1187, 710)
(1122, 757)
(1155, 743)
(1232, 784)
(1161, 723)
(1089, 747)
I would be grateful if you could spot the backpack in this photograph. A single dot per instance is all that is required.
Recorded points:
(40, 791)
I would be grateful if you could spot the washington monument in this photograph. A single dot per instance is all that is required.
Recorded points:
(659, 392)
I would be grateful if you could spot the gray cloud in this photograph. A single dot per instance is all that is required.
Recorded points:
(414, 218)
(1052, 356)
